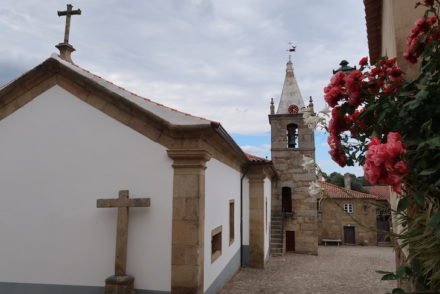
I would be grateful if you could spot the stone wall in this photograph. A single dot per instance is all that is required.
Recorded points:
(332, 220)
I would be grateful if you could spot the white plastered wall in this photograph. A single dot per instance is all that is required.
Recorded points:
(267, 215)
(57, 156)
(222, 184)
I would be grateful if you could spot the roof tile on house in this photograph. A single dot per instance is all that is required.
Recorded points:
(333, 191)
(383, 192)
(254, 158)
(373, 17)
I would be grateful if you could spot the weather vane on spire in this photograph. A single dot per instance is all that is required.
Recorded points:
(291, 49)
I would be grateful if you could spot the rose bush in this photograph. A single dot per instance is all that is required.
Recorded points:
(391, 126)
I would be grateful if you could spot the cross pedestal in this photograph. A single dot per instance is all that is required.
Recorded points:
(121, 283)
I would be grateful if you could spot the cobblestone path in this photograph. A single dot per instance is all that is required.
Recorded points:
(336, 270)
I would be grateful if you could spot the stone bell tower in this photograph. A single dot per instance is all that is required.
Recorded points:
(294, 222)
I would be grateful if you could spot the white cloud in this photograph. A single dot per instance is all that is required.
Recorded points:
(261, 151)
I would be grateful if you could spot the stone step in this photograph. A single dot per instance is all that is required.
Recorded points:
(277, 251)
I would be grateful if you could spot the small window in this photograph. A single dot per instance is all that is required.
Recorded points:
(231, 222)
(348, 208)
(216, 243)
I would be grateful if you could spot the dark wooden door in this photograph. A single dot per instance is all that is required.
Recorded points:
(290, 241)
(286, 199)
(383, 226)
(349, 236)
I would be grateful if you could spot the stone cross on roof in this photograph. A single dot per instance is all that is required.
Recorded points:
(68, 13)
(65, 48)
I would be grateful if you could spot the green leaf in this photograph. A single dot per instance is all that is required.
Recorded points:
(383, 272)
(422, 95)
(428, 172)
(412, 104)
(419, 198)
(434, 142)
(403, 271)
(398, 291)
(403, 204)
(434, 221)
(389, 277)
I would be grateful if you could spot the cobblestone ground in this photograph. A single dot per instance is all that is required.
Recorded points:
(336, 270)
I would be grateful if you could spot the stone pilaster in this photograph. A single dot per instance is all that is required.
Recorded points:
(187, 259)
(256, 178)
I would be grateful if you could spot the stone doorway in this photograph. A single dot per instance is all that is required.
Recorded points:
(290, 241)
(286, 195)
(349, 235)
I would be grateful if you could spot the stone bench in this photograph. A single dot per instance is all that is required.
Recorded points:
(325, 241)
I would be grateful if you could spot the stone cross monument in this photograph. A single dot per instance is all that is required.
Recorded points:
(65, 48)
(121, 283)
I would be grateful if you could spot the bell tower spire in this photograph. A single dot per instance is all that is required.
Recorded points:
(291, 95)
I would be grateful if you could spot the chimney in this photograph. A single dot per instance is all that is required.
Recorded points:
(347, 181)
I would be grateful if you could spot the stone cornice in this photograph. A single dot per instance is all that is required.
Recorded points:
(189, 158)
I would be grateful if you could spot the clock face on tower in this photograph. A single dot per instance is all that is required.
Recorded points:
(293, 108)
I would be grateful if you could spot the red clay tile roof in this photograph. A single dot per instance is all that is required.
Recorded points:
(383, 192)
(373, 17)
(254, 158)
(334, 191)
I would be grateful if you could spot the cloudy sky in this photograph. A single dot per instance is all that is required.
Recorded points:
(220, 59)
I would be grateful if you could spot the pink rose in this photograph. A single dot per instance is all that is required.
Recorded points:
(378, 154)
(372, 172)
(363, 61)
(393, 137)
(401, 168)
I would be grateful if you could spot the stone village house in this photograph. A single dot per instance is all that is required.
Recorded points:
(350, 217)
(204, 207)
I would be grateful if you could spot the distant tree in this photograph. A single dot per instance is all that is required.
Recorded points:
(336, 179)
(324, 175)
(363, 181)
(357, 184)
